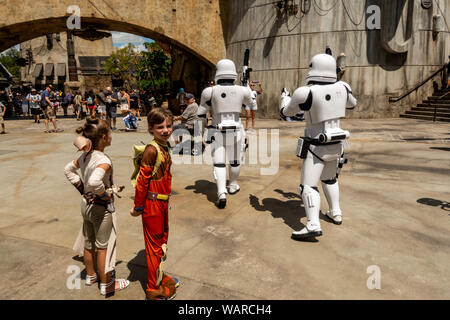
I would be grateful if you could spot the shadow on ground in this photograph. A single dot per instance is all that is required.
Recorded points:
(435, 203)
(206, 188)
(438, 148)
(290, 211)
(138, 269)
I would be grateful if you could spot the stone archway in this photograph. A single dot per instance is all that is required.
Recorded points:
(193, 26)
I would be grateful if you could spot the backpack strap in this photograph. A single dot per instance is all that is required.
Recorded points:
(139, 151)
(159, 157)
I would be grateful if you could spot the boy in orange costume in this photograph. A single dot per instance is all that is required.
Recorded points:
(152, 202)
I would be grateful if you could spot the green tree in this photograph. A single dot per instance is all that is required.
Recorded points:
(123, 62)
(150, 68)
(153, 68)
(9, 60)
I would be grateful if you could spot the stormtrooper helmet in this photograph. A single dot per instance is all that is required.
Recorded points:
(322, 69)
(225, 69)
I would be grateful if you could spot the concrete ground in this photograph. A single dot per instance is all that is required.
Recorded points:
(393, 195)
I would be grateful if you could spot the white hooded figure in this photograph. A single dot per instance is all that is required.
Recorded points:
(324, 101)
(224, 101)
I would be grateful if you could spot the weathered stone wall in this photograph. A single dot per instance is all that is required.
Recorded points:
(282, 45)
(58, 54)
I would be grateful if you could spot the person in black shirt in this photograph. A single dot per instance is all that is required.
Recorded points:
(101, 104)
(144, 102)
(134, 104)
(90, 101)
(111, 101)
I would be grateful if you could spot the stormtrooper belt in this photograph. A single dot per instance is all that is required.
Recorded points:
(156, 196)
(317, 142)
(225, 128)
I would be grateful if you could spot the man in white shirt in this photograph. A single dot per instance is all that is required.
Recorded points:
(254, 107)
(35, 105)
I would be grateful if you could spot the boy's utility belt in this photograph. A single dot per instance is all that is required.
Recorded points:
(156, 196)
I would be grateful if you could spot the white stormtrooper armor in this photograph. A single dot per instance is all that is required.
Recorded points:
(224, 101)
(324, 101)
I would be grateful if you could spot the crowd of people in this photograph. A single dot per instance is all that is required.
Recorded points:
(101, 103)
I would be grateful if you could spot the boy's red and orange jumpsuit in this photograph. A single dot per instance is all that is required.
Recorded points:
(155, 219)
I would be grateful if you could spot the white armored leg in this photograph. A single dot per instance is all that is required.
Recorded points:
(311, 172)
(220, 173)
(331, 191)
(234, 156)
(330, 188)
(311, 201)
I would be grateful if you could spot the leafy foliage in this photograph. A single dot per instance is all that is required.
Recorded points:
(150, 68)
(9, 60)
(153, 68)
(123, 62)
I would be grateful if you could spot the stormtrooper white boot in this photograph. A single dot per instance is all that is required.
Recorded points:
(222, 201)
(311, 200)
(331, 191)
(220, 174)
(233, 187)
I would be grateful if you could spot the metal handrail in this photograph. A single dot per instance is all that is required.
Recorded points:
(396, 99)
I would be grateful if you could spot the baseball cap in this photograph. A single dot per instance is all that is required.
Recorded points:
(189, 96)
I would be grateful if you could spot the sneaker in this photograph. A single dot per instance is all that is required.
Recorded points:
(163, 293)
(90, 280)
(3, 132)
(106, 289)
(38, 121)
(167, 281)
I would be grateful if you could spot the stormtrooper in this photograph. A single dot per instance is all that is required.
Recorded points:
(224, 102)
(324, 101)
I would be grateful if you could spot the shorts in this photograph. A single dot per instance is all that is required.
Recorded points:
(49, 112)
(124, 107)
(134, 107)
(97, 225)
(101, 109)
(91, 107)
(78, 107)
(25, 108)
(254, 107)
(179, 127)
(111, 112)
(35, 111)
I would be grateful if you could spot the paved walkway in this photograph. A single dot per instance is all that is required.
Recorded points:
(393, 194)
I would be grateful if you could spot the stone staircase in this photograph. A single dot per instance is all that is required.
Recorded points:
(435, 108)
